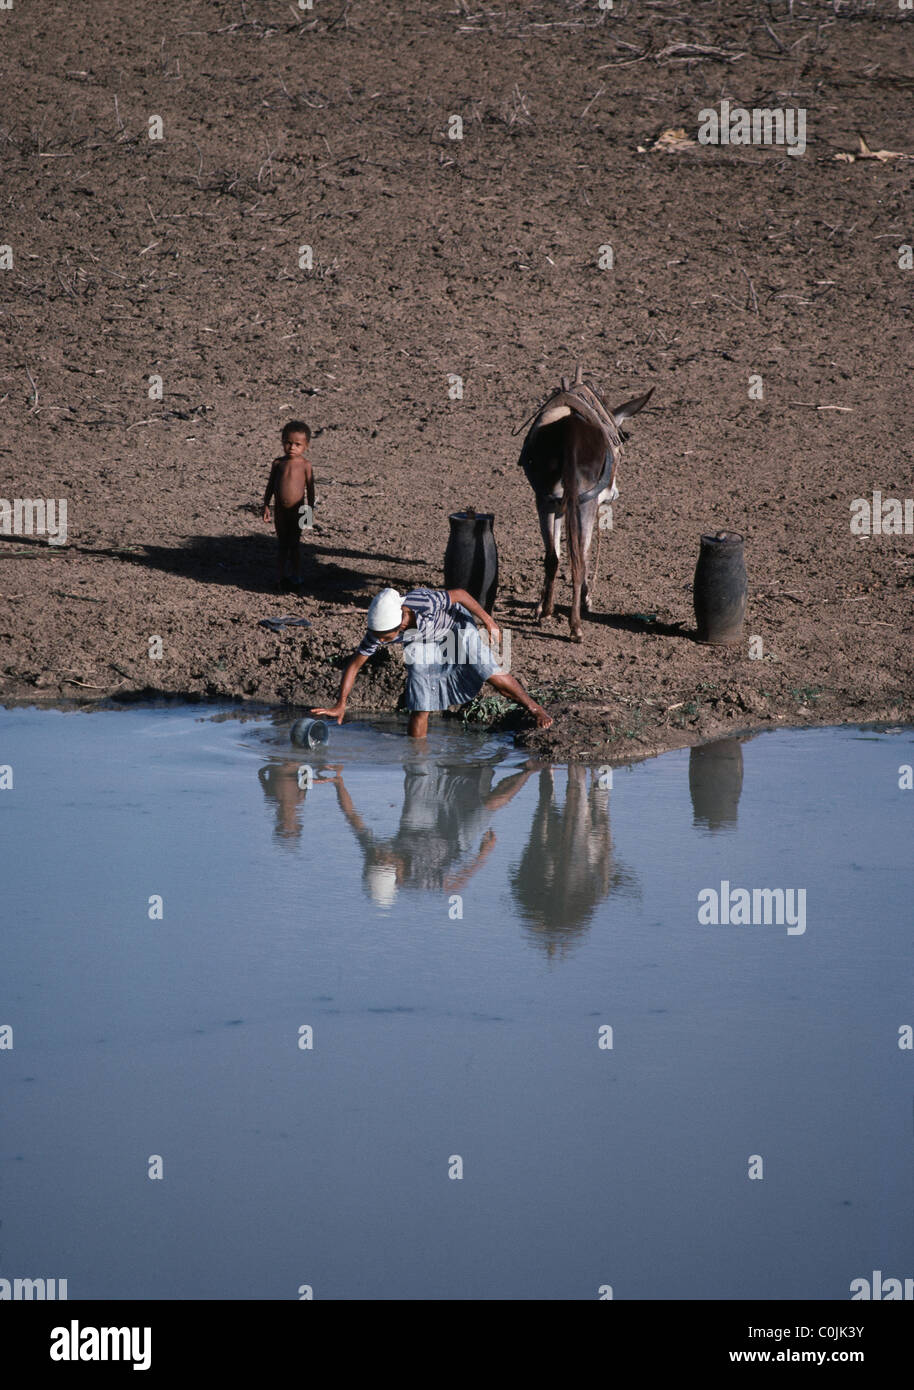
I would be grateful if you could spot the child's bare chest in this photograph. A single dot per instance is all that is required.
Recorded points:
(290, 482)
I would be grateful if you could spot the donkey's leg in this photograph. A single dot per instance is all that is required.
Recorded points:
(589, 514)
(579, 573)
(574, 620)
(549, 526)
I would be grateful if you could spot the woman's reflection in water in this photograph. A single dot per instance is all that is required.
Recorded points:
(444, 835)
(567, 867)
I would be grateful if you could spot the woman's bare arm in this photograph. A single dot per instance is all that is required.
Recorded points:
(475, 610)
(353, 667)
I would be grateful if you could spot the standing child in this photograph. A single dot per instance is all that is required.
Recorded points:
(291, 480)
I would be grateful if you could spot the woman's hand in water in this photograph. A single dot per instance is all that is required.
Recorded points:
(336, 713)
(334, 774)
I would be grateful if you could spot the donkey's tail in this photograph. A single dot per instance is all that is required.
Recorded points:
(570, 493)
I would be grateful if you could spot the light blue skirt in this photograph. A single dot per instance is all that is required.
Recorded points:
(451, 671)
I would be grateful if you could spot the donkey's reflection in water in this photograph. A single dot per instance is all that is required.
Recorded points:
(568, 866)
(444, 836)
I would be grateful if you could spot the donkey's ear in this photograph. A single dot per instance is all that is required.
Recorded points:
(622, 412)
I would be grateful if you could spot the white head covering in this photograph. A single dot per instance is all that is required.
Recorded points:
(381, 881)
(385, 611)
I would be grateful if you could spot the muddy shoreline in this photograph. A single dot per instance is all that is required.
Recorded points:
(579, 735)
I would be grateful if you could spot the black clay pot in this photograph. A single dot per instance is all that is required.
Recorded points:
(471, 557)
(720, 589)
(715, 782)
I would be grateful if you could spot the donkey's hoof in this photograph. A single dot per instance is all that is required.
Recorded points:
(577, 634)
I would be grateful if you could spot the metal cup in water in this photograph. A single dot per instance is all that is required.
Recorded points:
(308, 733)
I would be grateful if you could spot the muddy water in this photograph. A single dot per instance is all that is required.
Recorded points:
(459, 929)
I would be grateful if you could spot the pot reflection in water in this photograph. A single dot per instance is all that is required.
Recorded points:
(715, 783)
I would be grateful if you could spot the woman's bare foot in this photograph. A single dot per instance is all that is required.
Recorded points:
(510, 686)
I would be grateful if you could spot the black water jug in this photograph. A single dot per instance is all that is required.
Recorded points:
(471, 557)
(715, 782)
(720, 589)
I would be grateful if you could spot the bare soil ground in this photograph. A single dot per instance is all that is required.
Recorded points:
(433, 257)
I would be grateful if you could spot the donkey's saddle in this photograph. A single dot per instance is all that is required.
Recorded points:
(583, 401)
(579, 398)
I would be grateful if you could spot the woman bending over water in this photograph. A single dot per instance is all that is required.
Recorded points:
(448, 660)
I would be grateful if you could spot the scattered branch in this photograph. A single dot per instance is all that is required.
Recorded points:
(34, 389)
(751, 290)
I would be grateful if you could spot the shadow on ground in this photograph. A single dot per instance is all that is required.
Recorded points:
(245, 562)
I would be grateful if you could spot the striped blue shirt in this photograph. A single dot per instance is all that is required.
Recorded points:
(435, 617)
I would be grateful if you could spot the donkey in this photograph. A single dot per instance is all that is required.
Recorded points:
(570, 455)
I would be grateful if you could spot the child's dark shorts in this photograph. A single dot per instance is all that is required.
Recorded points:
(287, 522)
